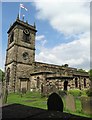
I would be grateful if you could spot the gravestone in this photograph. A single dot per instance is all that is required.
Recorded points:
(53, 89)
(62, 93)
(86, 103)
(70, 103)
(55, 103)
(23, 90)
(43, 90)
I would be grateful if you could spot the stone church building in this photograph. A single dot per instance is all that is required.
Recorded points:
(23, 72)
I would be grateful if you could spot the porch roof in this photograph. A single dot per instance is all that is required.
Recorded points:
(41, 72)
(60, 77)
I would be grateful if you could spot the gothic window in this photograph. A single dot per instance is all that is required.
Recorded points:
(12, 37)
(84, 82)
(76, 82)
(38, 82)
(8, 75)
(65, 85)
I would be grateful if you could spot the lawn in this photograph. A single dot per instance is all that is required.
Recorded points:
(30, 99)
(34, 99)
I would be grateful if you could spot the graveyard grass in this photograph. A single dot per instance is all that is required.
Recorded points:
(34, 99)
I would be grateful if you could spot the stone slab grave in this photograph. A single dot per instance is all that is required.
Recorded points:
(70, 103)
(86, 103)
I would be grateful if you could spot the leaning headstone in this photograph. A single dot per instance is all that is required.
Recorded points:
(55, 103)
(70, 103)
(86, 103)
(43, 90)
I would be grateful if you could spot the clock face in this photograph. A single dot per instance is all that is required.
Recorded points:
(26, 31)
(25, 56)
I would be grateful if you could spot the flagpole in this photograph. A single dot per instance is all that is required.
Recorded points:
(19, 11)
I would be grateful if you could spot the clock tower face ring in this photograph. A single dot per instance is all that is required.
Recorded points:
(25, 55)
(26, 31)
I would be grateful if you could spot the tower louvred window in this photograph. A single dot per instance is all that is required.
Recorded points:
(26, 34)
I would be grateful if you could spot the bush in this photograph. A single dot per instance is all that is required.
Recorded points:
(84, 96)
(76, 92)
(89, 93)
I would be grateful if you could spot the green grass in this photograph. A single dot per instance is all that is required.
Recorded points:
(40, 102)
(35, 97)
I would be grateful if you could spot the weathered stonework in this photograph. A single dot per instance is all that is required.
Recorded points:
(25, 72)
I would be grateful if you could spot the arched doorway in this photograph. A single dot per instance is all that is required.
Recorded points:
(65, 84)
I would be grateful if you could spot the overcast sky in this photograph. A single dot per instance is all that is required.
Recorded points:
(63, 27)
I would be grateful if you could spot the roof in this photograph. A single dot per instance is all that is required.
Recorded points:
(60, 77)
(54, 66)
(44, 72)
(81, 74)
(22, 23)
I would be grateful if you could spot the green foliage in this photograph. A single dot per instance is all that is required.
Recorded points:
(65, 65)
(76, 92)
(81, 70)
(89, 93)
(90, 72)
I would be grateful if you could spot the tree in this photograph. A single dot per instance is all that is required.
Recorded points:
(81, 70)
(90, 76)
(90, 72)
(65, 65)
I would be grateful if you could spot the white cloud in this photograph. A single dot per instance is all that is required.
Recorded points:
(75, 53)
(40, 37)
(41, 41)
(66, 17)
(70, 18)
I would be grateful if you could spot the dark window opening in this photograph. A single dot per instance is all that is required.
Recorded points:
(26, 37)
(84, 82)
(65, 85)
(76, 82)
(8, 75)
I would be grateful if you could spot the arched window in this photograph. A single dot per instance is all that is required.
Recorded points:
(38, 82)
(65, 85)
(76, 82)
(8, 75)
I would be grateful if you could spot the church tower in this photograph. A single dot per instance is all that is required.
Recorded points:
(20, 55)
